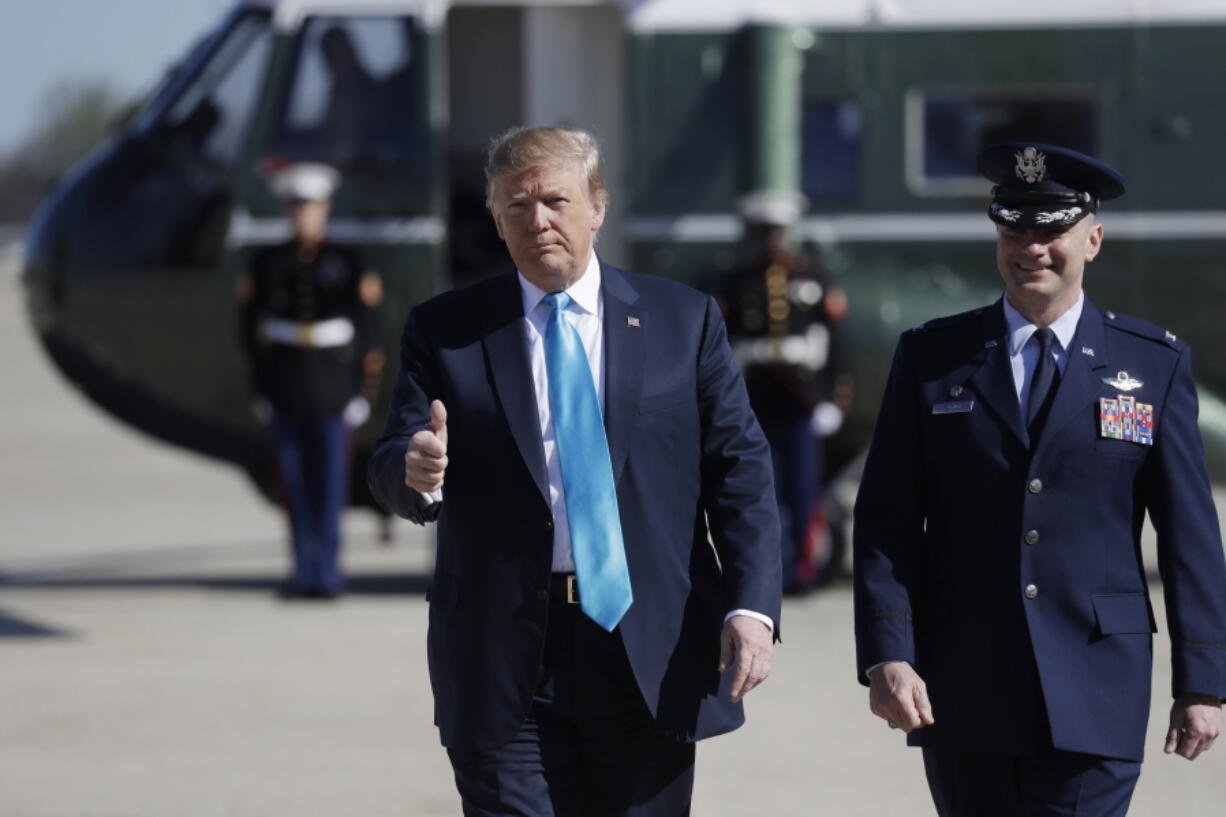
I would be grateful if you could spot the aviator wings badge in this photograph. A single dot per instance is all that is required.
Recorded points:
(1123, 381)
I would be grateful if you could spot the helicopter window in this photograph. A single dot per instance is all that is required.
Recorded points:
(947, 129)
(830, 157)
(355, 95)
(215, 109)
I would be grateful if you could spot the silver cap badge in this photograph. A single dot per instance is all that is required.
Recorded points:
(1123, 381)
(1031, 165)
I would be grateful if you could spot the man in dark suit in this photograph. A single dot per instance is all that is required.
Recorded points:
(607, 583)
(1002, 618)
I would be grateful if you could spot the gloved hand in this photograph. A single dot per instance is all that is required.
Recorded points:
(357, 411)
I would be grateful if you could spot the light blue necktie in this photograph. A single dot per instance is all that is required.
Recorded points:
(587, 473)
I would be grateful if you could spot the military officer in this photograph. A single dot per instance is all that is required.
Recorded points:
(309, 315)
(1002, 614)
(782, 314)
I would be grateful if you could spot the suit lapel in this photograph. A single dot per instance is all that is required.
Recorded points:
(993, 381)
(1079, 385)
(506, 348)
(625, 345)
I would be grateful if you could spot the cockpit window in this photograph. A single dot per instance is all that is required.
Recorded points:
(356, 96)
(215, 110)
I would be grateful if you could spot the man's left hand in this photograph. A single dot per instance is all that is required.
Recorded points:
(747, 646)
(1196, 721)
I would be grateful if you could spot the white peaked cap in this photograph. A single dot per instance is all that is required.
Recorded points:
(306, 182)
(778, 208)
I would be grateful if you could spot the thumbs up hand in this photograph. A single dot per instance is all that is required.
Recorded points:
(425, 462)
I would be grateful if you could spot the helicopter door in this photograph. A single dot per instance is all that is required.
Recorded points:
(529, 65)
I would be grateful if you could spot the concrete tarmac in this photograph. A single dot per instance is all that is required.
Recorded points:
(148, 670)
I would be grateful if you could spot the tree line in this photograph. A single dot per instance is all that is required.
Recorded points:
(75, 115)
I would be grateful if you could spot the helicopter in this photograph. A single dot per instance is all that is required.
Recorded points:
(873, 110)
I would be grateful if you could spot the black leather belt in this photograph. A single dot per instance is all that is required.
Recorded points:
(564, 587)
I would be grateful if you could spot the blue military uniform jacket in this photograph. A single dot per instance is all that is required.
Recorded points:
(1009, 570)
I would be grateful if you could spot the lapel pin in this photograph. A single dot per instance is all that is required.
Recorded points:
(632, 321)
(1123, 381)
(1086, 350)
(1170, 336)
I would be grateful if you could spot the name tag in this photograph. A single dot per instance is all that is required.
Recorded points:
(956, 407)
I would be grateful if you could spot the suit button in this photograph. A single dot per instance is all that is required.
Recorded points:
(542, 594)
(1031, 591)
(548, 524)
(1032, 537)
(1035, 485)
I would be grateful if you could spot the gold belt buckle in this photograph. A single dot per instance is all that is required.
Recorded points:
(572, 589)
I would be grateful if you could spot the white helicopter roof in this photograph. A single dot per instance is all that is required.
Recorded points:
(716, 15)
(692, 15)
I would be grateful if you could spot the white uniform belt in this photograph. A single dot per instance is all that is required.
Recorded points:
(318, 335)
(810, 350)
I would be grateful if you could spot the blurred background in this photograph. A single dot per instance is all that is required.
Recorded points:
(148, 668)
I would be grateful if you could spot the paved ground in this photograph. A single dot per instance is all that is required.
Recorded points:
(147, 671)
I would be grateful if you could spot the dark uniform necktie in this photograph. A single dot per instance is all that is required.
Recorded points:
(1046, 378)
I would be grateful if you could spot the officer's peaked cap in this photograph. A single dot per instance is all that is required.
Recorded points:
(1041, 185)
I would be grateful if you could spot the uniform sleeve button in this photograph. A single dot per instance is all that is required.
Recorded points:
(1031, 591)
(1032, 537)
(1035, 485)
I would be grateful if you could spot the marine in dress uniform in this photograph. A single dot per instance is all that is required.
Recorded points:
(309, 315)
(783, 315)
(1002, 614)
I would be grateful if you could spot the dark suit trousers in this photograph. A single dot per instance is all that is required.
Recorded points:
(1049, 783)
(589, 747)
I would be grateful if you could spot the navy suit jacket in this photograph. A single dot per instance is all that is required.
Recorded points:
(688, 460)
(959, 513)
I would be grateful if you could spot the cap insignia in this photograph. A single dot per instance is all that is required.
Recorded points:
(1057, 216)
(1031, 165)
(1005, 213)
(1123, 381)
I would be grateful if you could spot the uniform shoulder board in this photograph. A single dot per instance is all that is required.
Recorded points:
(1141, 328)
(950, 320)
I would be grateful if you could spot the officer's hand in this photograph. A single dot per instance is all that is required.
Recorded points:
(426, 460)
(1196, 721)
(748, 645)
(899, 695)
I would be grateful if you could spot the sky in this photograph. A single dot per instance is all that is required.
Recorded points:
(128, 43)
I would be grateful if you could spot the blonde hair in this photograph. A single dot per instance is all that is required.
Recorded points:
(519, 149)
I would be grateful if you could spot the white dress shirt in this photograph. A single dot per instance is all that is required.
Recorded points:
(585, 312)
(1024, 355)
